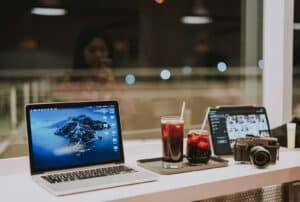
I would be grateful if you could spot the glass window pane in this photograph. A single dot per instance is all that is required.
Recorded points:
(150, 55)
(296, 70)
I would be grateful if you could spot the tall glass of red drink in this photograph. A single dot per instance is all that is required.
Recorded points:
(172, 138)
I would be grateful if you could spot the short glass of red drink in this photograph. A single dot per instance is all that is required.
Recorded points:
(172, 139)
(198, 147)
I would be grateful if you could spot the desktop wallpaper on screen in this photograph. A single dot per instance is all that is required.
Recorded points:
(66, 137)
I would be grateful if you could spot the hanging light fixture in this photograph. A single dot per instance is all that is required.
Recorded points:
(49, 8)
(197, 14)
(196, 20)
(48, 11)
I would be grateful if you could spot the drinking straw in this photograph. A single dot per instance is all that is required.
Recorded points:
(205, 119)
(182, 110)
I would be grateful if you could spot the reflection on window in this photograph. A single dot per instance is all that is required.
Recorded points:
(296, 71)
(150, 55)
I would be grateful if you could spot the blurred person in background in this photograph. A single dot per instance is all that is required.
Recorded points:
(93, 52)
(92, 77)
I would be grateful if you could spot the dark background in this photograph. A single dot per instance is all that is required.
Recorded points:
(144, 33)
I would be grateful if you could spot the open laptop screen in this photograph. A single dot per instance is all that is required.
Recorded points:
(229, 123)
(72, 135)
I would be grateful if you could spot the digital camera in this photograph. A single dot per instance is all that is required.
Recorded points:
(260, 151)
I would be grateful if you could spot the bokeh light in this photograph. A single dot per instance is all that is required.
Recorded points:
(187, 70)
(260, 63)
(159, 1)
(165, 74)
(130, 79)
(222, 66)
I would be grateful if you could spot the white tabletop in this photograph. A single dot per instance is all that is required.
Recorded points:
(16, 183)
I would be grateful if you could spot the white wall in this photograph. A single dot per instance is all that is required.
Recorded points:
(278, 57)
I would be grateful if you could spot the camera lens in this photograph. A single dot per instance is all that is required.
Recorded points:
(259, 156)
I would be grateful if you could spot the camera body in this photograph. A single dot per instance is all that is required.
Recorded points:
(260, 151)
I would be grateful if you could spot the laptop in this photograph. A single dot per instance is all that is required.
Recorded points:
(227, 123)
(77, 147)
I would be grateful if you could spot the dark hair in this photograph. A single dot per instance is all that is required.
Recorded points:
(83, 39)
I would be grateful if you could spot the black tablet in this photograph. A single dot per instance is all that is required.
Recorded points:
(228, 123)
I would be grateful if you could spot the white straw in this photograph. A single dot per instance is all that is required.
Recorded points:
(205, 119)
(182, 110)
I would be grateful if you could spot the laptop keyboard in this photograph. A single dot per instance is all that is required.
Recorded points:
(92, 173)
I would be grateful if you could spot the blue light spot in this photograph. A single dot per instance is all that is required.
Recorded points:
(130, 79)
(260, 63)
(187, 70)
(222, 66)
(165, 74)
